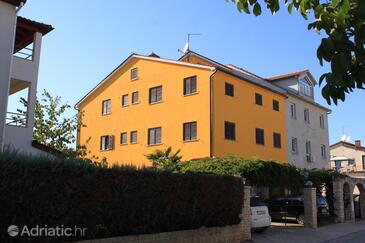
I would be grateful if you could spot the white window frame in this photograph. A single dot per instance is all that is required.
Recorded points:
(306, 115)
(106, 142)
(125, 100)
(134, 74)
(305, 87)
(123, 140)
(294, 145)
(106, 107)
(293, 110)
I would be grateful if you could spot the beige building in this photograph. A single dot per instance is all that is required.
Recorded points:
(306, 121)
(348, 157)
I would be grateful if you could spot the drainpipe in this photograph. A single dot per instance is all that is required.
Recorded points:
(211, 112)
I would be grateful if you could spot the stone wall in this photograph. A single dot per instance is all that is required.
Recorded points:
(234, 233)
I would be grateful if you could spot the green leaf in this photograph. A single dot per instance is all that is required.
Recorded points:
(340, 64)
(290, 7)
(328, 48)
(257, 9)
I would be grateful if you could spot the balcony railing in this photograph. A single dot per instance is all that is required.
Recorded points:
(26, 53)
(16, 119)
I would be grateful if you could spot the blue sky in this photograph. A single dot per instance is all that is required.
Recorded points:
(92, 37)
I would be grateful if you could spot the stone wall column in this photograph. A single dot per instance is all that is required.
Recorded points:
(245, 224)
(310, 207)
(362, 205)
(338, 203)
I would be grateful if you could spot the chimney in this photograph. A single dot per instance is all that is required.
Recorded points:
(154, 55)
(357, 144)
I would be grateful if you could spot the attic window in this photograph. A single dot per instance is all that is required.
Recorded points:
(305, 86)
(134, 74)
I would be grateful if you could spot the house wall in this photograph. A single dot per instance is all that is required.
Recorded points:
(170, 114)
(298, 128)
(242, 110)
(247, 116)
(339, 151)
(7, 29)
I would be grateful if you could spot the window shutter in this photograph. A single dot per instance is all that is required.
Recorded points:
(159, 94)
(158, 135)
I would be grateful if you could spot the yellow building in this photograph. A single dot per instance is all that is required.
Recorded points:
(195, 104)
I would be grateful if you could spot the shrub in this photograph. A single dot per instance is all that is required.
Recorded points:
(111, 201)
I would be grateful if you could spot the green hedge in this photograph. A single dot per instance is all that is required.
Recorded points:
(111, 202)
(259, 172)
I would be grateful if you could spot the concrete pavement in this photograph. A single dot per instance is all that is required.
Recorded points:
(335, 233)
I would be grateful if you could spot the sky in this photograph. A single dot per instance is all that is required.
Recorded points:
(92, 37)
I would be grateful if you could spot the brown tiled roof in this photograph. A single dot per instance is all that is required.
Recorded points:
(346, 144)
(25, 30)
(14, 2)
(288, 75)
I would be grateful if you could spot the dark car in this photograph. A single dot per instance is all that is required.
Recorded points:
(292, 207)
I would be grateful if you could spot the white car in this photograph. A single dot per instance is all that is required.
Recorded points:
(260, 217)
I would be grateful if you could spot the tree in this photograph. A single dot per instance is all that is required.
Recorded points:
(162, 160)
(53, 128)
(343, 21)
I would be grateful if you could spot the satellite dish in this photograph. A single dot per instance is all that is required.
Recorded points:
(343, 138)
(186, 47)
(348, 139)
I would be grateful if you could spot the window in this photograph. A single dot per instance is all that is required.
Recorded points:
(134, 137)
(293, 111)
(294, 145)
(308, 151)
(125, 100)
(123, 138)
(306, 115)
(134, 74)
(190, 85)
(321, 121)
(258, 99)
(189, 131)
(351, 162)
(363, 162)
(155, 94)
(277, 140)
(275, 105)
(260, 136)
(154, 136)
(135, 97)
(305, 87)
(323, 151)
(338, 165)
(229, 130)
(105, 110)
(106, 143)
(229, 89)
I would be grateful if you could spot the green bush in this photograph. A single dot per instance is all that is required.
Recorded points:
(110, 201)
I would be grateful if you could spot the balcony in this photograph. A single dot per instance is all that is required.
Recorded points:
(16, 119)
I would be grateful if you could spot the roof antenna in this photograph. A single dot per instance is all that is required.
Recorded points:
(187, 44)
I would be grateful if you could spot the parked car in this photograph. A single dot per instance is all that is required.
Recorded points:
(260, 217)
(292, 207)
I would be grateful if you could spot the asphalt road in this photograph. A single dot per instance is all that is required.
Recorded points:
(335, 233)
(357, 237)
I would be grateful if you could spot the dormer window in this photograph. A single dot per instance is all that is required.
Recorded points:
(305, 87)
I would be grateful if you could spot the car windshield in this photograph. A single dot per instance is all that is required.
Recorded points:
(321, 200)
(256, 202)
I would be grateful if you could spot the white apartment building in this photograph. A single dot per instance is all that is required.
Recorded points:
(306, 122)
(20, 48)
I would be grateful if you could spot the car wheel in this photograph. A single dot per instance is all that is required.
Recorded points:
(301, 219)
(261, 230)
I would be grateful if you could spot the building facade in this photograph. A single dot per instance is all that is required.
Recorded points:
(20, 47)
(348, 157)
(195, 104)
(306, 122)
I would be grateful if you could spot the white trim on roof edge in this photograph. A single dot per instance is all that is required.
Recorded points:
(145, 58)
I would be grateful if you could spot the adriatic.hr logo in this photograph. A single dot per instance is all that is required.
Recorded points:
(45, 230)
